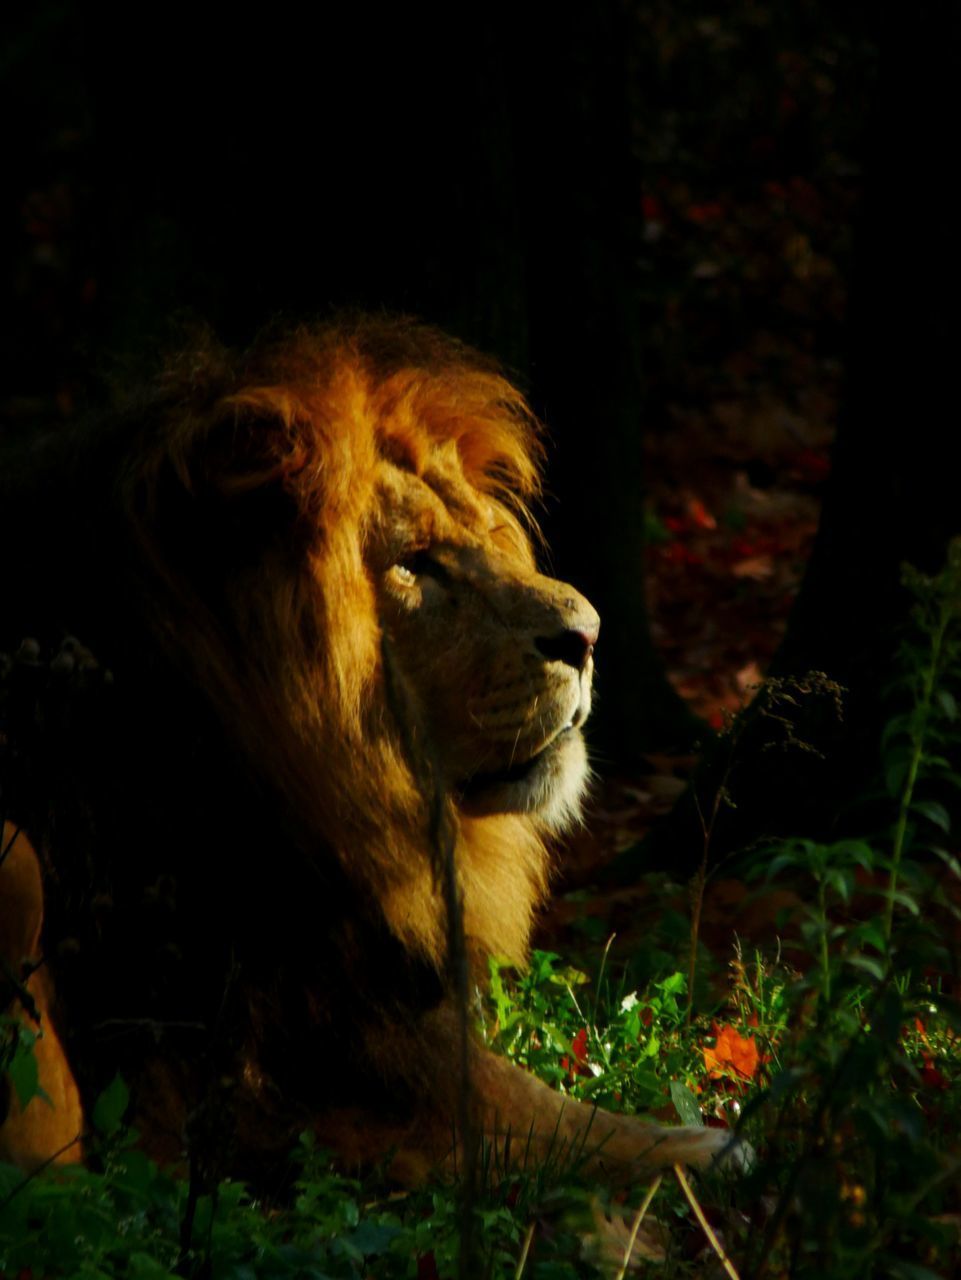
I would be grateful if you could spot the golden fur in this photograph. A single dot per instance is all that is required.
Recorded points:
(330, 542)
(30, 1136)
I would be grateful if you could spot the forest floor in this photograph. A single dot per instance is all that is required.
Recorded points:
(733, 508)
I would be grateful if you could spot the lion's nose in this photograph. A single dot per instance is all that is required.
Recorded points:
(574, 646)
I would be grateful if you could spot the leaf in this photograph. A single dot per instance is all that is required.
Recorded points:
(23, 1072)
(685, 1104)
(579, 1045)
(756, 567)
(733, 1054)
(870, 932)
(868, 964)
(949, 860)
(946, 701)
(858, 851)
(899, 1269)
(141, 1266)
(902, 899)
(896, 772)
(896, 725)
(674, 985)
(373, 1238)
(606, 1243)
(110, 1107)
(778, 864)
(136, 1172)
(842, 881)
(935, 764)
(934, 812)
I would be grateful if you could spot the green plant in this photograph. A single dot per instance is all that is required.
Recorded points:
(864, 1111)
(915, 738)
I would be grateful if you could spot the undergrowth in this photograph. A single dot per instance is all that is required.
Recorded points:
(834, 1055)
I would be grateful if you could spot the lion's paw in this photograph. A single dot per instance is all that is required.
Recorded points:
(701, 1148)
(726, 1151)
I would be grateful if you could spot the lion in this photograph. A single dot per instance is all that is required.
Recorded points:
(341, 716)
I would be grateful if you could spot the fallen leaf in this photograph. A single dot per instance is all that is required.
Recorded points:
(756, 567)
(606, 1245)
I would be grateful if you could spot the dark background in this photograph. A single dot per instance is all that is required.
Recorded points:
(641, 209)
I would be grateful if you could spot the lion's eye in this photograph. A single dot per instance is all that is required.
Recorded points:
(418, 564)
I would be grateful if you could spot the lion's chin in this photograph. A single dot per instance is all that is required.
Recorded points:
(549, 787)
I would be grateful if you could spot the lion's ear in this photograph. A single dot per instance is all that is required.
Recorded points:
(235, 481)
(254, 444)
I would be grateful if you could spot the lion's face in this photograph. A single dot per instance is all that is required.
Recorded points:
(496, 658)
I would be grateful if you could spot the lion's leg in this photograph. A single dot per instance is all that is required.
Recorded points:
(525, 1123)
(525, 1118)
(42, 1130)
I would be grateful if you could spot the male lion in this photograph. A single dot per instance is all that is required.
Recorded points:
(338, 683)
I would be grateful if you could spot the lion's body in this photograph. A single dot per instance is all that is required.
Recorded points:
(333, 663)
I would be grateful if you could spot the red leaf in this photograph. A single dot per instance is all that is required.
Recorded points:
(577, 1067)
(931, 1076)
(709, 211)
(579, 1045)
(427, 1267)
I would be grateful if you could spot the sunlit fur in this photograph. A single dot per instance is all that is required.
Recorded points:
(320, 414)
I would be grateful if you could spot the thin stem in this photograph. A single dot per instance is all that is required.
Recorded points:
(525, 1250)
(823, 942)
(8, 846)
(35, 1173)
(697, 903)
(706, 1227)
(697, 891)
(600, 979)
(917, 750)
(636, 1225)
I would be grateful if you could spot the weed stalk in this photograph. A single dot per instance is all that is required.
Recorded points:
(946, 613)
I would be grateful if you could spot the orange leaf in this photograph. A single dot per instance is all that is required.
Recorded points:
(700, 515)
(756, 567)
(733, 1054)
